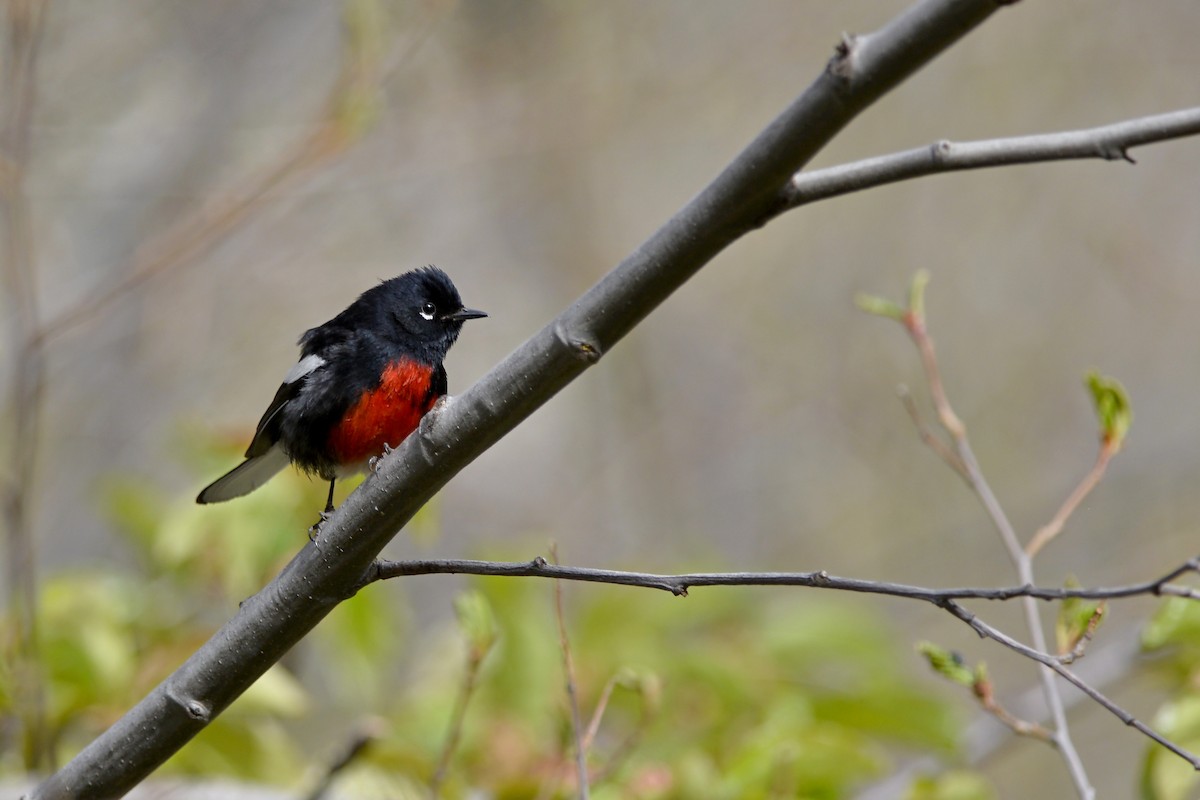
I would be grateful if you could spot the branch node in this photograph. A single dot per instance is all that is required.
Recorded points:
(1111, 151)
(841, 66)
(584, 348)
(586, 351)
(194, 707)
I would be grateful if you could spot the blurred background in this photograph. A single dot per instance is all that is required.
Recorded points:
(243, 170)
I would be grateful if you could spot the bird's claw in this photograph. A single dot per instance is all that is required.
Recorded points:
(315, 528)
(374, 461)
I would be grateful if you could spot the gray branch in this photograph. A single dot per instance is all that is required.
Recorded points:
(1108, 142)
(679, 585)
(749, 192)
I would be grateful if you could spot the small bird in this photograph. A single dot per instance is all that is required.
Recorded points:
(362, 384)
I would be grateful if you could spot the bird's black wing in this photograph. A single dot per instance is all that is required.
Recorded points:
(266, 435)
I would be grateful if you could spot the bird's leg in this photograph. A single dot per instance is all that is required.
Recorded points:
(316, 526)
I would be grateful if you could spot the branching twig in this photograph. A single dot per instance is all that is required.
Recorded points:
(1051, 529)
(946, 599)
(914, 323)
(1110, 142)
(987, 698)
(1055, 664)
(930, 438)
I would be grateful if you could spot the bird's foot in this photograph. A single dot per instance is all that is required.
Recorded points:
(374, 461)
(315, 528)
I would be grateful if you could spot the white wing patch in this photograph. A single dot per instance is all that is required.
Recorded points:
(304, 366)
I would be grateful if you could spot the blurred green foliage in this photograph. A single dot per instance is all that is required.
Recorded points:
(731, 693)
(1174, 632)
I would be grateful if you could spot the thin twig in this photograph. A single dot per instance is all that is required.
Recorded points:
(466, 691)
(589, 735)
(621, 752)
(680, 584)
(366, 733)
(1055, 665)
(581, 769)
(1051, 529)
(1185, 592)
(987, 698)
(1110, 142)
(928, 437)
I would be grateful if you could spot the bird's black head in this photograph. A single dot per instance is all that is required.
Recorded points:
(425, 311)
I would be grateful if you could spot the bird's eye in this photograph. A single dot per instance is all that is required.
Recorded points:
(428, 310)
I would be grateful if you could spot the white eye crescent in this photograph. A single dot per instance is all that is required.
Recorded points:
(428, 311)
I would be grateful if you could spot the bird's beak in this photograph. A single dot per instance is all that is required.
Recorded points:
(465, 314)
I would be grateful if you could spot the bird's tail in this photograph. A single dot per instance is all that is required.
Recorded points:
(245, 477)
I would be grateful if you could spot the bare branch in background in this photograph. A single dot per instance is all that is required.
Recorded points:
(26, 22)
(914, 322)
(1110, 142)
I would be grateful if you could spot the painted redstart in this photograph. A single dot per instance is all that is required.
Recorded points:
(362, 384)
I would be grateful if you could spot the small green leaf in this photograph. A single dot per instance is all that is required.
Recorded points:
(916, 293)
(1113, 410)
(879, 306)
(477, 622)
(947, 663)
(1074, 618)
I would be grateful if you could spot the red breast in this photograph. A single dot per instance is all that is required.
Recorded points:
(384, 415)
